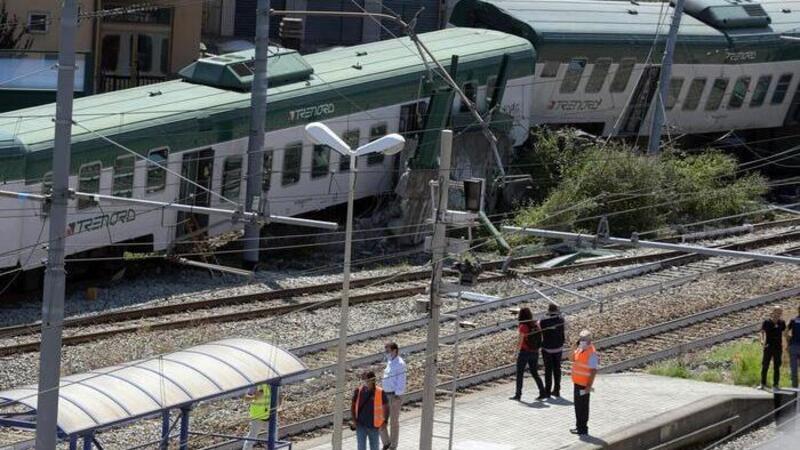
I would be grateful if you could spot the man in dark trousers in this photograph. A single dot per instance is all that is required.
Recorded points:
(370, 411)
(584, 370)
(553, 332)
(793, 342)
(771, 339)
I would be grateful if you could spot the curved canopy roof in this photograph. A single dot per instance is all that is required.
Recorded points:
(118, 394)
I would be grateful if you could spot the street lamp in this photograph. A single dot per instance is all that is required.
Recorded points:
(388, 145)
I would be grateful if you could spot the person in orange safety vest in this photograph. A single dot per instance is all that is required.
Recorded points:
(584, 368)
(370, 411)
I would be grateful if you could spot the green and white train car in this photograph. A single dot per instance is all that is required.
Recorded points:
(597, 62)
(199, 125)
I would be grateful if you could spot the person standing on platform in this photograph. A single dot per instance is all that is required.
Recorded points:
(771, 340)
(259, 398)
(584, 369)
(530, 340)
(553, 329)
(394, 386)
(793, 343)
(370, 410)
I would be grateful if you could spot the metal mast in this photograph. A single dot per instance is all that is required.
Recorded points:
(438, 251)
(53, 300)
(255, 145)
(664, 80)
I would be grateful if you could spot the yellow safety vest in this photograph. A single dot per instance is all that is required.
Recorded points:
(259, 408)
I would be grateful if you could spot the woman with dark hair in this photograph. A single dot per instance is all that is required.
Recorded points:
(530, 339)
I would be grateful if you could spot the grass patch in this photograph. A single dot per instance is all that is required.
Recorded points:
(736, 363)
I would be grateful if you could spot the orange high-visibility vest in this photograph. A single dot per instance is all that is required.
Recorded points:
(377, 407)
(581, 372)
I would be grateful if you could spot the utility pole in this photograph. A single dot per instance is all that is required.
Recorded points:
(54, 276)
(664, 80)
(438, 252)
(255, 145)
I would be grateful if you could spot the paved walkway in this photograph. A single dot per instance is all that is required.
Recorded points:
(488, 420)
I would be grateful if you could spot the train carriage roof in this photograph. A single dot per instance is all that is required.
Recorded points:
(726, 22)
(334, 71)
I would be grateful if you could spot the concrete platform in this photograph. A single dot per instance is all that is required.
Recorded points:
(628, 411)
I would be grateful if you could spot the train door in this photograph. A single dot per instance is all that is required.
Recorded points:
(198, 167)
(793, 115)
(636, 111)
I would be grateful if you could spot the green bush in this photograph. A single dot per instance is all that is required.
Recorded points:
(746, 363)
(673, 369)
(636, 192)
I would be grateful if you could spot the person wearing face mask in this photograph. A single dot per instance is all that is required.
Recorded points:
(771, 336)
(584, 369)
(370, 411)
(394, 385)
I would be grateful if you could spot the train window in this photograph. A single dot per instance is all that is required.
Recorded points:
(123, 176)
(573, 76)
(739, 92)
(320, 159)
(89, 182)
(598, 76)
(292, 159)
(717, 92)
(471, 92)
(232, 178)
(267, 179)
(376, 132)
(550, 69)
(350, 138)
(760, 91)
(695, 94)
(490, 88)
(675, 86)
(157, 176)
(624, 70)
(781, 88)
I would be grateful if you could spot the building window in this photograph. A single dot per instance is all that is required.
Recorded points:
(157, 176)
(598, 76)
(623, 75)
(781, 88)
(760, 91)
(471, 92)
(320, 159)
(675, 86)
(165, 55)
(292, 159)
(267, 179)
(232, 178)
(550, 69)
(376, 132)
(573, 76)
(38, 22)
(351, 138)
(739, 92)
(695, 94)
(123, 176)
(88, 182)
(144, 53)
(109, 53)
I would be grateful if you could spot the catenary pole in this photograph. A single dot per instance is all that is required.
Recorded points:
(53, 299)
(438, 252)
(664, 80)
(255, 145)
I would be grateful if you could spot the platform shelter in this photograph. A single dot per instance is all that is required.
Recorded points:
(119, 395)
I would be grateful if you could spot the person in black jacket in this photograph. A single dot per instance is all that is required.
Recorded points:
(553, 332)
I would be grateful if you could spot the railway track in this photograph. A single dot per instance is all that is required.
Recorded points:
(661, 274)
(621, 352)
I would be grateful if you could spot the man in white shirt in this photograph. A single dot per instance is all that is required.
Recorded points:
(394, 385)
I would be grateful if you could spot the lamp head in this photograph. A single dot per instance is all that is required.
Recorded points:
(321, 134)
(388, 145)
